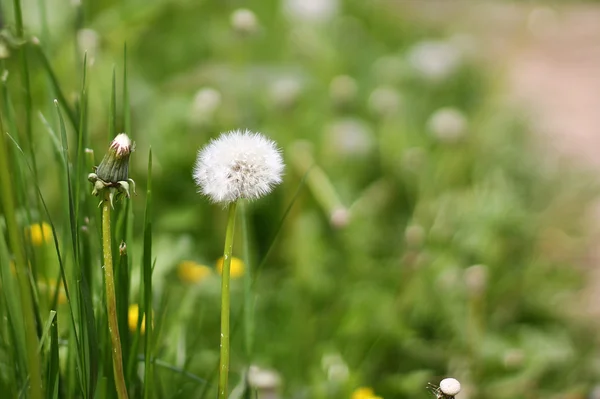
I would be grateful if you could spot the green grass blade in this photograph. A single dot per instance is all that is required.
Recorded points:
(16, 244)
(112, 112)
(126, 104)
(147, 284)
(52, 374)
(60, 96)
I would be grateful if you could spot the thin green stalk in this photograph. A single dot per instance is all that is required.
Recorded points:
(248, 297)
(225, 303)
(111, 301)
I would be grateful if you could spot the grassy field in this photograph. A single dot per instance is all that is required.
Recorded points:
(416, 234)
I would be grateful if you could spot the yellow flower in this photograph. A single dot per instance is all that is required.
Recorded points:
(192, 272)
(133, 316)
(235, 270)
(364, 393)
(39, 233)
(50, 289)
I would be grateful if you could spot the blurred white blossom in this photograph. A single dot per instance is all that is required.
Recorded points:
(385, 101)
(448, 125)
(206, 101)
(244, 21)
(265, 382)
(434, 60)
(349, 137)
(284, 91)
(88, 40)
(310, 10)
(335, 367)
(476, 278)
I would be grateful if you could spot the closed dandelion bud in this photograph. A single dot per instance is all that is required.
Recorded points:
(244, 21)
(115, 164)
(113, 172)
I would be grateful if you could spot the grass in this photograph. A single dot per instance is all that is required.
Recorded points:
(361, 269)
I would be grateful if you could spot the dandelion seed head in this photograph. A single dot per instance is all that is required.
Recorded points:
(238, 164)
(450, 386)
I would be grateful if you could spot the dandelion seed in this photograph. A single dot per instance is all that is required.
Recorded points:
(238, 165)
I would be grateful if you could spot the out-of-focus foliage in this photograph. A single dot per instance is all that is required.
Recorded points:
(425, 238)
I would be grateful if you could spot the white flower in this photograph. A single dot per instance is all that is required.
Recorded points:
(238, 165)
(244, 21)
(284, 91)
(450, 386)
(206, 102)
(434, 60)
(385, 101)
(310, 10)
(349, 137)
(447, 125)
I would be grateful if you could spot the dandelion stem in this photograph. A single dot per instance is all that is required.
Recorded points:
(111, 302)
(225, 303)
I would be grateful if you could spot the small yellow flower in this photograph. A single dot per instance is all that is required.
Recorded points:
(39, 233)
(133, 316)
(50, 289)
(235, 270)
(364, 393)
(192, 272)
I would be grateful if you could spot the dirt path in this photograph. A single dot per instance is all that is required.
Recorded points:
(548, 62)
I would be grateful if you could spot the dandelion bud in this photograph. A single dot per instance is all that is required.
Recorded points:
(450, 386)
(244, 21)
(115, 164)
(238, 165)
(113, 172)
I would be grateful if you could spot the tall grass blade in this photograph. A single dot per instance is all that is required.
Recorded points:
(147, 285)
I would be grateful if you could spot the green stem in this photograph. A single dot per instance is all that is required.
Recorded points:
(111, 301)
(225, 304)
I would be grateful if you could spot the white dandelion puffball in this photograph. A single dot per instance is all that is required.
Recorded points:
(238, 164)
(450, 386)
(384, 101)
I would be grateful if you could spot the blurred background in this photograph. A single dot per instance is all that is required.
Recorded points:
(439, 210)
